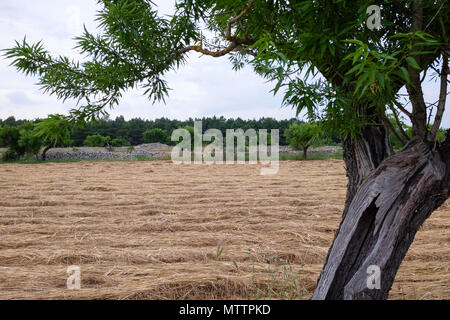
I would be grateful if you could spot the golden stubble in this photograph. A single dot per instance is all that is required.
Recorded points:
(155, 230)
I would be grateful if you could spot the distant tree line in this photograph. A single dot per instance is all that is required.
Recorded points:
(29, 138)
(25, 138)
(138, 131)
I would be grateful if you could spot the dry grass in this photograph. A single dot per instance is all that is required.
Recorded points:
(153, 230)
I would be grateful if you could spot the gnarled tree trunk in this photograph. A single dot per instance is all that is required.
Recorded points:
(389, 197)
(44, 153)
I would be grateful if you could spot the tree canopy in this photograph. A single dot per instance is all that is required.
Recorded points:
(303, 136)
(96, 141)
(155, 135)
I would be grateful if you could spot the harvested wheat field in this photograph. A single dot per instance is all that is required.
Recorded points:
(154, 230)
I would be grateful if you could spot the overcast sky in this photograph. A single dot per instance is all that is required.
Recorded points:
(204, 87)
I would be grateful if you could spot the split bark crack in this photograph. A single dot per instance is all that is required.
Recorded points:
(383, 214)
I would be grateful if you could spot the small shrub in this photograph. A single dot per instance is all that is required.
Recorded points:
(119, 142)
(10, 155)
(96, 141)
(155, 135)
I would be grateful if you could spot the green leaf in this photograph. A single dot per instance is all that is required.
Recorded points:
(380, 78)
(412, 62)
(404, 74)
(352, 70)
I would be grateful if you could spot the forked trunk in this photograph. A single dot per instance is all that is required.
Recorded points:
(389, 197)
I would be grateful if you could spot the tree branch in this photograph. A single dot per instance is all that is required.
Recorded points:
(237, 18)
(403, 109)
(215, 54)
(419, 109)
(434, 17)
(432, 136)
(393, 130)
(236, 43)
(399, 123)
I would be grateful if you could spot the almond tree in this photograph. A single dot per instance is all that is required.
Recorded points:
(302, 136)
(327, 62)
(54, 131)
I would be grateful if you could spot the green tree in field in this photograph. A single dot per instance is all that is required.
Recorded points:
(326, 60)
(20, 140)
(30, 142)
(54, 131)
(96, 140)
(155, 136)
(302, 136)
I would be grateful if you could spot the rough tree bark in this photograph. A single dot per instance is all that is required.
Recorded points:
(389, 197)
(305, 153)
(44, 152)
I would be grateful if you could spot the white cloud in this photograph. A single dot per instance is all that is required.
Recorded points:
(18, 98)
(74, 24)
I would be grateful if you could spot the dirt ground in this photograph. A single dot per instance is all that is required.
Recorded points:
(154, 230)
